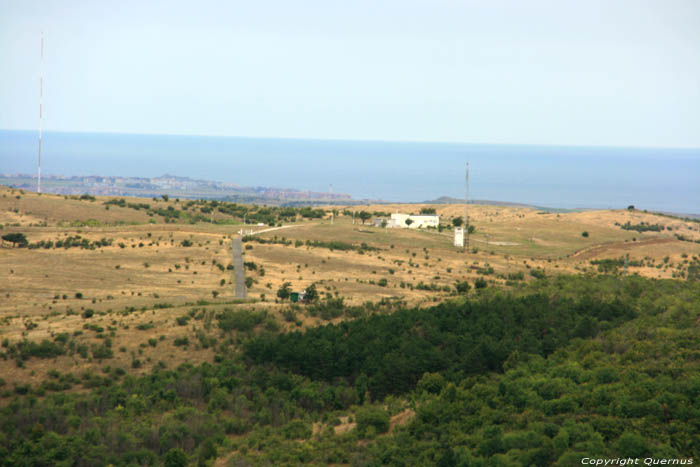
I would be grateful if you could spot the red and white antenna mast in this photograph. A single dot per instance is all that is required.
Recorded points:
(41, 99)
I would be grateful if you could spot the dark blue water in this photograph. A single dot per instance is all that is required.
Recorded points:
(565, 177)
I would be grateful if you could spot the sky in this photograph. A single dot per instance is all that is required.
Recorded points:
(555, 72)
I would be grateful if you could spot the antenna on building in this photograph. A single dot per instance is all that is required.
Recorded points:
(466, 207)
(41, 98)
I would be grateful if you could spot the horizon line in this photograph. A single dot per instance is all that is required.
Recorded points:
(369, 140)
(368, 201)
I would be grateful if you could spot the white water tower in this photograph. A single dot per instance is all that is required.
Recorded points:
(459, 236)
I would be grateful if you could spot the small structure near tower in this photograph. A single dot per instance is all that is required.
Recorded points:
(459, 236)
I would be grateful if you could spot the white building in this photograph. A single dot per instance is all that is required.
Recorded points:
(459, 236)
(399, 220)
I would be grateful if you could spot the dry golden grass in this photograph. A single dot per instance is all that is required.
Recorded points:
(153, 267)
(32, 209)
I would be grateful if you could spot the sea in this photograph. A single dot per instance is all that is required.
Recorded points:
(569, 177)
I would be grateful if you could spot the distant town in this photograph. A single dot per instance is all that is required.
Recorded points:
(172, 185)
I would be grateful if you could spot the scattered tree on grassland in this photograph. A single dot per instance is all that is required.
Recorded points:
(284, 291)
(462, 287)
(15, 239)
(311, 294)
(364, 216)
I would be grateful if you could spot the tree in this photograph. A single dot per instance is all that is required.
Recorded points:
(409, 221)
(165, 197)
(284, 291)
(630, 207)
(632, 445)
(376, 418)
(311, 294)
(457, 221)
(175, 458)
(432, 383)
(364, 216)
(584, 234)
(462, 287)
(427, 211)
(471, 229)
(15, 238)
(480, 283)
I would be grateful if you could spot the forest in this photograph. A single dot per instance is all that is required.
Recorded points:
(544, 373)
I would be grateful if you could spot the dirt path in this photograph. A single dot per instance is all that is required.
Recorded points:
(239, 273)
(277, 228)
(593, 251)
(401, 418)
(237, 252)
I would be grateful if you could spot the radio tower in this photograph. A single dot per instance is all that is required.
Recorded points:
(331, 202)
(41, 98)
(466, 208)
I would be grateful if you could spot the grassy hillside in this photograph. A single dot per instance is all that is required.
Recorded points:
(121, 338)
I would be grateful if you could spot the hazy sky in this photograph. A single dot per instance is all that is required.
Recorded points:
(585, 72)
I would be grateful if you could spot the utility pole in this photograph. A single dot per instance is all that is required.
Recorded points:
(41, 113)
(466, 209)
(332, 213)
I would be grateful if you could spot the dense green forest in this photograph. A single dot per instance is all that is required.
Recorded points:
(543, 374)
(389, 353)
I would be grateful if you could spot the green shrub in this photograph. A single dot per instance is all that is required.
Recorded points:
(462, 287)
(537, 273)
(372, 417)
(181, 341)
(244, 320)
(297, 429)
(102, 351)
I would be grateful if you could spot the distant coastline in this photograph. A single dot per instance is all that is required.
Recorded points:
(171, 185)
(656, 179)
